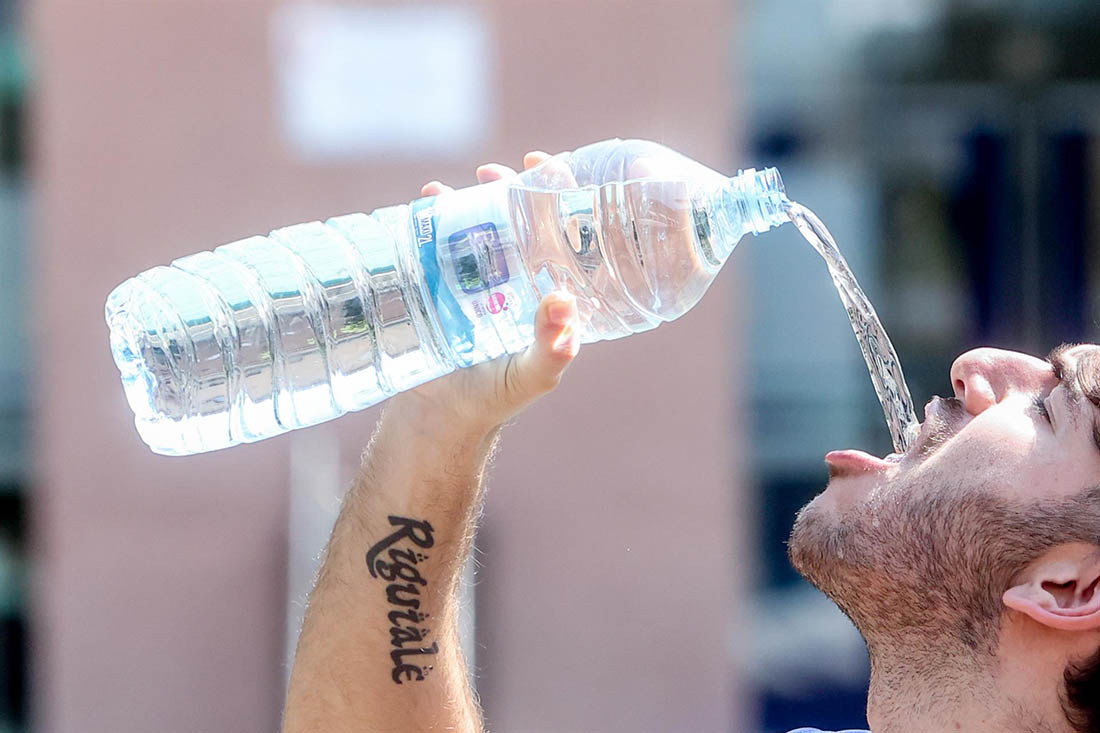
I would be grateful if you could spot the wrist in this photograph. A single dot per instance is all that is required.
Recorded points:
(421, 457)
(426, 420)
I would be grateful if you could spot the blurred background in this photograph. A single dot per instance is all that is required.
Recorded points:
(631, 570)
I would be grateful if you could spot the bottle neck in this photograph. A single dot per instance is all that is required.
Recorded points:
(750, 202)
(761, 199)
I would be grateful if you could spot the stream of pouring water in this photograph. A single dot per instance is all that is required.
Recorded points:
(878, 352)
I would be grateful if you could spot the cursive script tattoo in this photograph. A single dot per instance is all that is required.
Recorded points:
(399, 567)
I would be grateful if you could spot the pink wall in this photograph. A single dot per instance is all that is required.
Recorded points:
(609, 547)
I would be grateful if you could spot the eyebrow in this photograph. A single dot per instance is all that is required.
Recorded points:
(1061, 366)
(1071, 376)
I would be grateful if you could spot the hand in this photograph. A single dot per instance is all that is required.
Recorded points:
(482, 397)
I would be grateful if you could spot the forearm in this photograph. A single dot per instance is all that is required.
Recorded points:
(379, 647)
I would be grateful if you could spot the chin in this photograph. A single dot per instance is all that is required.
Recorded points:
(827, 548)
(813, 529)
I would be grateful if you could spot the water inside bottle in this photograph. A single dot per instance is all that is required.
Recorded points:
(878, 352)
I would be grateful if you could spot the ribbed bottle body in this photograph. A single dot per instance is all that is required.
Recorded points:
(270, 334)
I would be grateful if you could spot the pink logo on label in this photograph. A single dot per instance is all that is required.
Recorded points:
(496, 303)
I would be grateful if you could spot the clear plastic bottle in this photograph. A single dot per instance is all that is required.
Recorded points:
(273, 333)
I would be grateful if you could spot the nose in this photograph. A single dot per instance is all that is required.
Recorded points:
(983, 377)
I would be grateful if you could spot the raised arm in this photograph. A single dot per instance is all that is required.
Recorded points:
(379, 648)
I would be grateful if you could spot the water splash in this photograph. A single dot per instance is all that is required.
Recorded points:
(878, 352)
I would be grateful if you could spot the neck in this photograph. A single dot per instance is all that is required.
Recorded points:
(917, 689)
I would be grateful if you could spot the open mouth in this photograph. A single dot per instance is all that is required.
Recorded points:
(943, 418)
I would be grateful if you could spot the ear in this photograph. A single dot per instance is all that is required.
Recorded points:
(1060, 590)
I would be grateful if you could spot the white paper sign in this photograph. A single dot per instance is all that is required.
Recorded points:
(363, 80)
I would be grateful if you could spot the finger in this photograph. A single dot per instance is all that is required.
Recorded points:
(557, 341)
(434, 188)
(493, 172)
(554, 175)
(535, 157)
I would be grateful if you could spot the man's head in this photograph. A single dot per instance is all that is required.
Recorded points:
(981, 545)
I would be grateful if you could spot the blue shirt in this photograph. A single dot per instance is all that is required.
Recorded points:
(815, 730)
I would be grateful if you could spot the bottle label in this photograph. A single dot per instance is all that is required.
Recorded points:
(458, 328)
(474, 273)
(478, 258)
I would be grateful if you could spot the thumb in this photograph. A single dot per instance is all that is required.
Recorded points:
(557, 340)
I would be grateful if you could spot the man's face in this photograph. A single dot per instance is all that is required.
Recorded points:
(934, 532)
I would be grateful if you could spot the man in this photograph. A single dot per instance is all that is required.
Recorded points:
(971, 565)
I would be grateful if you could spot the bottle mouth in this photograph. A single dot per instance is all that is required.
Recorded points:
(763, 199)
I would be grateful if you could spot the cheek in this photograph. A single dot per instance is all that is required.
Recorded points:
(1002, 452)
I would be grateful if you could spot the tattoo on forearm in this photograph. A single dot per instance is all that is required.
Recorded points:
(403, 591)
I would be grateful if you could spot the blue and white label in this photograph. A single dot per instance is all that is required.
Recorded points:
(474, 272)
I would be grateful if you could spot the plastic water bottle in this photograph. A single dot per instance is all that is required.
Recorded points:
(273, 333)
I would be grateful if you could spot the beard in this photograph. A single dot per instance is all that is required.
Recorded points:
(923, 565)
(902, 566)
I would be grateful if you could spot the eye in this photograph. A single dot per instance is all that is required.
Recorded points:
(1040, 406)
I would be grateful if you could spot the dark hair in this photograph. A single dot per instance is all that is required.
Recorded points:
(1082, 699)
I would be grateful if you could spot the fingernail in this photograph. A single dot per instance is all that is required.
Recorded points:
(564, 342)
(561, 311)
